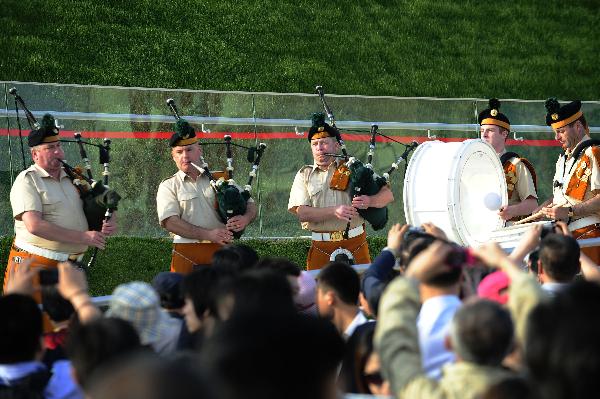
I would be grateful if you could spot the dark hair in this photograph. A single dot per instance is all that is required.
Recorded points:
(233, 259)
(482, 332)
(562, 346)
(262, 291)
(288, 267)
(21, 328)
(342, 279)
(148, 376)
(440, 280)
(98, 344)
(57, 307)
(510, 388)
(290, 356)
(413, 244)
(199, 286)
(534, 261)
(168, 287)
(358, 349)
(559, 257)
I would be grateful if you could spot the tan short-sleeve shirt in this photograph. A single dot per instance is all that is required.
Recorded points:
(193, 201)
(311, 188)
(525, 187)
(57, 200)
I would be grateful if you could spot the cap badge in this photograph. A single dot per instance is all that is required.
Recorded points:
(554, 116)
(494, 112)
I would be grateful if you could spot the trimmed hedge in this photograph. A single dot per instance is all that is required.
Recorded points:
(135, 258)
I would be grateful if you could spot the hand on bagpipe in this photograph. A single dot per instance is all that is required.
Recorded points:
(231, 201)
(363, 180)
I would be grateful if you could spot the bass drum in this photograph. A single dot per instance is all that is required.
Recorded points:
(448, 184)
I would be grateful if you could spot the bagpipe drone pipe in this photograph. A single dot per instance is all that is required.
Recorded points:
(230, 200)
(363, 180)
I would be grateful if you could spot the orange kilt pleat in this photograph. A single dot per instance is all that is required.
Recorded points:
(320, 251)
(583, 233)
(15, 259)
(185, 256)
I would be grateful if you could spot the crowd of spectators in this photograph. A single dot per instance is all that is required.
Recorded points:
(427, 319)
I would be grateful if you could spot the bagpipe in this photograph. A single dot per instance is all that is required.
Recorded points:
(363, 180)
(99, 201)
(231, 201)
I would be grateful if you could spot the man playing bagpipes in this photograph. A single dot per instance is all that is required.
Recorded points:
(50, 223)
(520, 175)
(321, 200)
(186, 205)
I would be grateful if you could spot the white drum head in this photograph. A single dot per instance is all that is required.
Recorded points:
(450, 185)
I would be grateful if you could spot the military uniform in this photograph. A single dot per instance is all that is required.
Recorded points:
(59, 203)
(577, 175)
(313, 187)
(194, 202)
(520, 179)
(519, 172)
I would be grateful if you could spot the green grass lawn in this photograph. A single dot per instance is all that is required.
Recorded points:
(445, 48)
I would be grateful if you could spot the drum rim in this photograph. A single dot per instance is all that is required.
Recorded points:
(455, 218)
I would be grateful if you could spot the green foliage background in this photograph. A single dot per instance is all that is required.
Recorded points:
(441, 48)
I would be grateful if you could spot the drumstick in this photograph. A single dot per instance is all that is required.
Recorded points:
(535, 215)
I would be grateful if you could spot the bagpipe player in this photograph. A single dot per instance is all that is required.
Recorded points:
(320, 198)
(187, 206)
(50, 222)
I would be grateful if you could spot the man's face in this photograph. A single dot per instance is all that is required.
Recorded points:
(319, 147)
(494, 135)
(324, 305)
(570, 135)
(47, 156)
(185, 155)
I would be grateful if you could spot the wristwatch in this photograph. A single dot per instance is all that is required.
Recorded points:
(571, 214)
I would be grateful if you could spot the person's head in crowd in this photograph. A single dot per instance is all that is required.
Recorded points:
(510, 388)
(58, 308)
(273, 356)
(361, 368)
(533, 261)
(558, 259)
(415, 240)
(21, 330)
(481, 332)
(306, 299)
(256, 292)
(494, 287)
(289, 269)
(198, 291)
(99, 344)
(234, 259)
(146, 376)
(168, 287)
(562, 346)
(138, 303)
(338, 287)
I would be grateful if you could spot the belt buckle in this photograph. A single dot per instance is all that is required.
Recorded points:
(337, 236)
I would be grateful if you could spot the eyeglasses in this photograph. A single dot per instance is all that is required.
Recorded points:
(374, 378)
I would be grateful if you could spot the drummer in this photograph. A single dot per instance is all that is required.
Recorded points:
(521, 179)
(576, 192)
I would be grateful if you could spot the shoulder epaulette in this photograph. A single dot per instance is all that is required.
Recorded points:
(581, 147)
(507, 156)
(170, 177)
